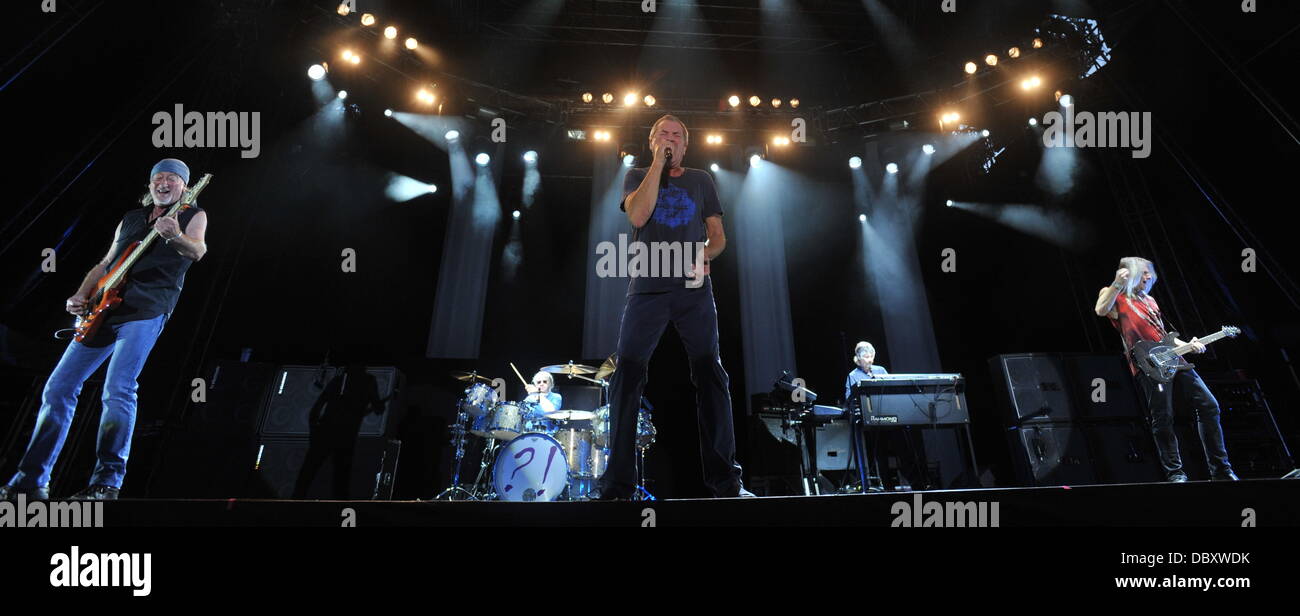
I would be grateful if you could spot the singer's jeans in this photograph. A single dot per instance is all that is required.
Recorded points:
(128, 344)
(645, 317)
(1160, 403)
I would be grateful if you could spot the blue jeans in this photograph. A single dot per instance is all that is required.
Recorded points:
(129, 344)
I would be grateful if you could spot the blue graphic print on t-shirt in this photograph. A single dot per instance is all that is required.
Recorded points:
(675, 207)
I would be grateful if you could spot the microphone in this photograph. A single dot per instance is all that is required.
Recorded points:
(663, 177)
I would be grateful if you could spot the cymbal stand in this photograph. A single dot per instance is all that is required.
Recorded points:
(640, 493)
(456, 491)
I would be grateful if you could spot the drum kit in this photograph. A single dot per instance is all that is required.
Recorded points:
(533, 455)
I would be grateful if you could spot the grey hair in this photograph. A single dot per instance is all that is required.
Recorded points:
(549, 379)
(1136, 266)
(857, 349)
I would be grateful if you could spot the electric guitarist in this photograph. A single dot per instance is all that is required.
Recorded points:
(124, 337)
(1135, 314)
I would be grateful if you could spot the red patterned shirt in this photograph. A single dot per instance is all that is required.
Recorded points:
(1137, 320)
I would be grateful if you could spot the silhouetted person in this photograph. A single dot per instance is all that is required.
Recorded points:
(335, 422)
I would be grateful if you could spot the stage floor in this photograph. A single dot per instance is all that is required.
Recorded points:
(1266, 502)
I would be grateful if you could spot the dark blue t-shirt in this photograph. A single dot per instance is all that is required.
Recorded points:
(678, 218)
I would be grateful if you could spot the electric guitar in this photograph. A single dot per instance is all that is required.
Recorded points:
(108, 291)
(1162, 360)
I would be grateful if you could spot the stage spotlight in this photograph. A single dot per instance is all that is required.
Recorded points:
(1030, 83)
(794, 103)
(628, 160)
(515, 214)
(1066, 100)
(346, 55)
(649, 101)
(713, 139)
(855, 162)
(781, 141)
(892, 167)
(984, 133)
(928, 149)
(433, 188)
(714, 167)
(343, 94)
(530, 156)
(390, 33)
(733, 100)
(344, 9)
(991, 60)
(776, 103)
(948, 203)
(367, 19)
(971, 67)
(1038, 43)
(862, 218)
(607, 98)
(452, 135)
(411, 43)
(629, 99)
(587, 97)
(1033, 121)
(388, 113)
(316, 72)
(356, 59)
(1014, 52)
(482, 159)
(754, 159)
(755, 101)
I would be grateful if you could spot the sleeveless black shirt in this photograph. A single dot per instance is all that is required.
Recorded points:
(154, 284)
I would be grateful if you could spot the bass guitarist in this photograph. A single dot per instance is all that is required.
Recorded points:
(1135, 314)
(127, 335)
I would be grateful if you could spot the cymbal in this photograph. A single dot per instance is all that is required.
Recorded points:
(569, 368)
(571, 415)
(461, 375)
(607, 368)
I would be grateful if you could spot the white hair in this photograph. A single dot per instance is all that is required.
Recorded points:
(1136, 266)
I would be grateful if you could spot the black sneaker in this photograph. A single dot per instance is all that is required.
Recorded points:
(96, 493)
(10, 493)
(1178, 478)
(1227, 475)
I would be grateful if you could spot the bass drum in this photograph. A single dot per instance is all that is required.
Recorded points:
(530, 468)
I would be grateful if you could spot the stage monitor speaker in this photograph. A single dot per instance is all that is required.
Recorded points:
(327, 473)
(1051, 454)
(1103, 387)
(1032, 387)
(297, 389)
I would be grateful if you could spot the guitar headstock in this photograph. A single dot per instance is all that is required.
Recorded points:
(189, 195)
(1231, 331)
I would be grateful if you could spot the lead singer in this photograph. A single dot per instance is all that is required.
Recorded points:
(669, 203)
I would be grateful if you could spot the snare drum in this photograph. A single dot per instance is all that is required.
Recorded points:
(530, 468)
(506, 421)
(478, 400)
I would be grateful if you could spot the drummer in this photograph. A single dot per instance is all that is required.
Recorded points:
(540, 391)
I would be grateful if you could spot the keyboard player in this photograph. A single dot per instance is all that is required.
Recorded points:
(864, 359)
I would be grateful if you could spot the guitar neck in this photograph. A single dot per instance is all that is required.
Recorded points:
(1186, 348)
